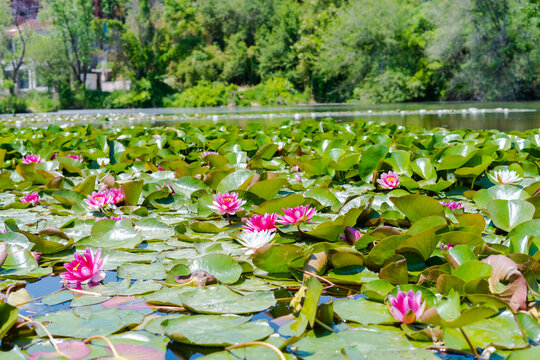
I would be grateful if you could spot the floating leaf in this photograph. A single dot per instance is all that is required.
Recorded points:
(215, 330)
(221, 300)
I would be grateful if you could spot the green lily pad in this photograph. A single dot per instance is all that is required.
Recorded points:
(105, 322)
(221, 300)
(111, 234)
(362, 311)
(216, 330)
(507, 214)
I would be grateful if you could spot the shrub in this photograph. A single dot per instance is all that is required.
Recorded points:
(205, 93)
(275, 91)
(42, 102)
(12, 104)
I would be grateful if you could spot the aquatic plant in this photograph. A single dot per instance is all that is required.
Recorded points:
(504, 177)
(84, 268)
(32, 198)
(323, 255)
(406, 307)
(389, 180)
(297, 215)
(255, 239)
(30, 159)
(226, 203)
(262, 222)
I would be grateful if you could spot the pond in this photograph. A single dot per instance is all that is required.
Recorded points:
(355, 213)
(504, 116)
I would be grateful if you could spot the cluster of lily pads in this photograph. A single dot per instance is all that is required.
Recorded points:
(309, 240)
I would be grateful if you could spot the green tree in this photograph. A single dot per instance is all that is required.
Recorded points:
(144, 51)
(74, 27)
(54, 70)
(374, 51)
(14, 39)
(489, 48)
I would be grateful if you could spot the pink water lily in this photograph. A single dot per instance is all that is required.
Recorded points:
(165, 187)
(446, 247)
(30, 159)
(32, 198)
(261, 222)
(297, 215)
(115, 218)
(99, 200)
(206, 153)
(79, 158)
(226, 203)
(351, 235)
(36, 255)
(452, 205)
(117, 195)
(389, 180)
(84, 268)
(406, 307)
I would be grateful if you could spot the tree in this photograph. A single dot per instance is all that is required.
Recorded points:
(489, 48)
(374, 51)
(144, 51)
(74, 27)
(54, 70)
(14, 39)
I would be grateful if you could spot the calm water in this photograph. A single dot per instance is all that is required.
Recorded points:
(504, 116)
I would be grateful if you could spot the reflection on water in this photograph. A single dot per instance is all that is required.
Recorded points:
(504, 116)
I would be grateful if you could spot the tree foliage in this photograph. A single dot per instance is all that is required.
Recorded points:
(332, 50)
(73, 28)
(14, 39)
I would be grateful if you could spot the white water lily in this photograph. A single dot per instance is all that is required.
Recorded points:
(103, 161)
(255, 239)
(505, 177)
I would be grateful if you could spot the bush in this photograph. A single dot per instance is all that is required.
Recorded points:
(122, 99)
(204, 94)
(275, 91)
(42, 102)
(12, 104)
(389, 87)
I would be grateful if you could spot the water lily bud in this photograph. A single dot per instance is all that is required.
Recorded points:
(351, 235)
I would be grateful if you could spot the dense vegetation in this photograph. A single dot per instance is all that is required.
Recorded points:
(453, 215)
(326, 50)
(322, 50)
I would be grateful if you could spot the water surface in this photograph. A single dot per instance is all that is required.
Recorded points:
(505, 116)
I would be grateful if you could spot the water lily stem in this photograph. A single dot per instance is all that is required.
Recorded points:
(258, 343)
(469, 342)
(38, 298)
(302, 234)
(84, 292)
(229, 218)
(111, 346)
(325, 280)
(49, 335)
